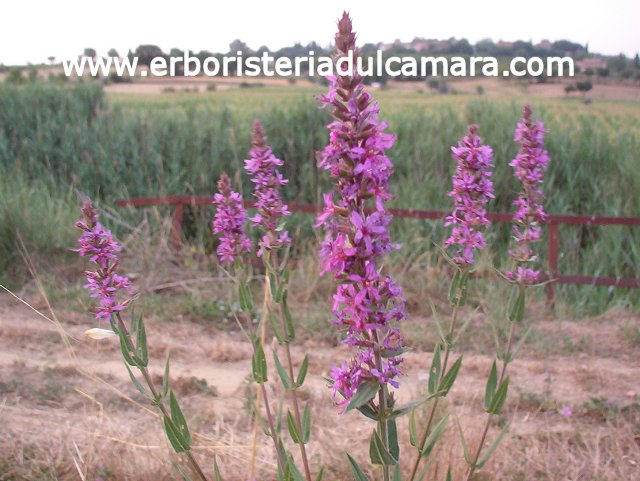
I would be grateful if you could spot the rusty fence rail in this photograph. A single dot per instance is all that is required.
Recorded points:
(179, 202)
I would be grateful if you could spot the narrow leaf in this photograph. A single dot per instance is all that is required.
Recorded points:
(284, 377)
(357, 472)
(492, 448)
(491, 387)
(178, 419)
(306, 424)
(302, 373)
(450, 377)
(293, 429)
(363, 395)
(434, 372)
(500, 397)
(433, 437)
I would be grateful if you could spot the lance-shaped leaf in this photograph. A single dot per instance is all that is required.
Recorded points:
(141, 343)
(244, 297)
(378, 452)
(258, 362)
(368, 411)
(184, 475)
(135, 382)
(284, 377)
(499, 397)
(178, 419)
(302, 373)
(483, 460)
(365, 393)
(296, 437)
(516, 313)
(490, 390)
(358, 474)
(450, 377)
(165, 379)
(458, 289)
(320, 474)
(433, 437)
(306, 424)
(216, 469)
(392, 434)
(175, 438)
(128, 351)
(397, 476)
(290, 332)
(434, 372)
(413, 433)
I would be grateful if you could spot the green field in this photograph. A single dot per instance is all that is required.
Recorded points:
(58, 143)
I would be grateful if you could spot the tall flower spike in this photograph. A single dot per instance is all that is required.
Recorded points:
(97, 243)
(263, 167)
(529, 167)
(229, 221)
(367, 304)
(472, 189)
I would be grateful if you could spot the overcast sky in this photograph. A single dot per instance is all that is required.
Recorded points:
(34, 30)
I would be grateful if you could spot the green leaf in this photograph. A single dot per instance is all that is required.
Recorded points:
(409, 407)
(450, 377)
(273, 287)
(357, 472)
(302, 373)
(396, 473)
(175, 438)
(434, 372)
(135, 382)
(320, 474)
(295, 473)
(458, 289)
(392, 434)
(306, 424)
(290, 332)
(490, 390)
(293, 429)
(284, 377)
(244, 297)
(216, 470)
(258, 362)
(516, 313)
(480, 464)
(165, 379)
(413, 434)
(127, 349)
(499, 398)
(377, 451)
(449, 474)
(433, 437)
(185, 476)
(178, 419)
(365, 393)
(465, 447)
(368, 412)
(141, 343)
(273, 321)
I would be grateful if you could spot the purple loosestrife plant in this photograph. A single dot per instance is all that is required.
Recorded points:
(530, 164)
(529, 167)
(262, 165)
(472, 189)
(98, 244)
(229, 221)
(368, 304)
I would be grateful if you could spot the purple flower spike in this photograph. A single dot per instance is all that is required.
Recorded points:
(529, 167)
(367, 304)
(97, 243)
(229, 221)
(263, 167)
(472, 189)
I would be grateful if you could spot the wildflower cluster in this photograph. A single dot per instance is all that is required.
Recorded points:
(367, 303)
(529, 167)
(229, 222)
(263, 167)
(472, 189)
(97, 243)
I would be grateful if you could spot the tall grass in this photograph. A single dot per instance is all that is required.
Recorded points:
(113, 148)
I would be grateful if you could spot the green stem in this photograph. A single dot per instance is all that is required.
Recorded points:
(383, 407)
(485, 431)
(160, 403)
(434, 406)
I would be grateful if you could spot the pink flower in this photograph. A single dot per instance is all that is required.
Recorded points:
(366, 303)
(229, 221)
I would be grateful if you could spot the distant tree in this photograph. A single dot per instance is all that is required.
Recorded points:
(14, 76)
(569, 89)
(584, 87)
(486, 47)
(89, 52)
(603, 72)
(113, 53)
(238, 46)
(51, 59)
(262, 50)
(636, 61)
(146, 53)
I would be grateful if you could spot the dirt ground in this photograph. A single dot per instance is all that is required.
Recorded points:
(70, 410)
